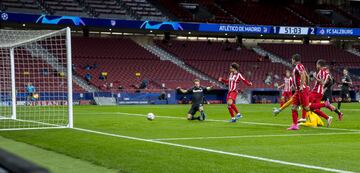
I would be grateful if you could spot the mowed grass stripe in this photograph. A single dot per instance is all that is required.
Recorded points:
(216, 120)
(256, 136)
(217, 151)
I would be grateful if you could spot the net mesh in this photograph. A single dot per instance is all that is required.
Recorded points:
(41, 87)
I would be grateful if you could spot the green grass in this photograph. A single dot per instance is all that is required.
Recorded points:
(30, 116)
(320, 147)
(53, 161)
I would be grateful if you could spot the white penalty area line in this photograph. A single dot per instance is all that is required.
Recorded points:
(254, 136)
(349, 109)
(240, 121)
(216, 151)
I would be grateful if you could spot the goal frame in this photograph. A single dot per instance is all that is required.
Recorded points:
(68, 75)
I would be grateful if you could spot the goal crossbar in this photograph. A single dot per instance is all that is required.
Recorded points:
(34, 39)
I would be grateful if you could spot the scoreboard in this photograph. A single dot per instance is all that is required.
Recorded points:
(290, 30)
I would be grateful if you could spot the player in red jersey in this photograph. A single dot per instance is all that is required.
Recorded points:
(287, 91)
(300, 97)
(321, 78)
(234, 79)
(317, 92)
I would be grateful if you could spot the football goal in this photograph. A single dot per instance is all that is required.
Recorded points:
(36, 79)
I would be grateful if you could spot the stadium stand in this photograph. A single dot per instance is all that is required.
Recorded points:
(213, 59)
(26, 72)
(253, 71)
(105, 9)
(21, 6)
(144, 10)
(263, 13)
(355, 20)
(205, 51)
(217, 14)
(296, 14)
(86, 8)
(125, 9)
(326, 15)
(64, 7)
(112, 55)
(337, 57)
(356, 47)
(174, 8)
(312, 52)
(309, 13)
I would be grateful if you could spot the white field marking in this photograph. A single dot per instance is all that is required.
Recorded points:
(240, 121)
(350, 109)
(51, 126)
(2, 117)
(33, 128)
(254, 136)
(217, 151)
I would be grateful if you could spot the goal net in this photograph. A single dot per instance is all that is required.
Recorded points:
(36, 82)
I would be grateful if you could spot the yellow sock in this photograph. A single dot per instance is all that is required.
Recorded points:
(287, 104)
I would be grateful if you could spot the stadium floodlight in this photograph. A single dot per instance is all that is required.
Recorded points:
(36, 79)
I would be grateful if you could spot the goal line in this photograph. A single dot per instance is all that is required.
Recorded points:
(46, 125)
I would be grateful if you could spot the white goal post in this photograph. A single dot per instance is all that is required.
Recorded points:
(35, 79)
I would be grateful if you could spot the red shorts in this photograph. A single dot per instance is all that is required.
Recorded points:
(301, 98)
(231, 95)
(287, 95)
(315, 97)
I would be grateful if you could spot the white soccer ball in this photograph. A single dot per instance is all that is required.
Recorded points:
(150, 116)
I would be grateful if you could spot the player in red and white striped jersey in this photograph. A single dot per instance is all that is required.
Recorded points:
(317, 92)
(321, 77)
(288, 86)
(234, 78)
(301, 97)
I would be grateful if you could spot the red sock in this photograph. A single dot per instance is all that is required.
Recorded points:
(303, 113)
(314, 106)
(234, 108)
(231, 111)
(281, 103)
(320, 113)
(294, 116)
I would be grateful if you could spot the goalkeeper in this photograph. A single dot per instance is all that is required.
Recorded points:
(30, 93)
(312, 120)
(197, 92)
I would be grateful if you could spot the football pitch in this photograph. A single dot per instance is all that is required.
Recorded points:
(121, 139)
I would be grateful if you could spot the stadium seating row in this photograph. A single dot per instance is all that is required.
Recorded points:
(122, 59)
(213, 59)
(40, 73)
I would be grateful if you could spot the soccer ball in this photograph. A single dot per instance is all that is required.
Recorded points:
(150, 116)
